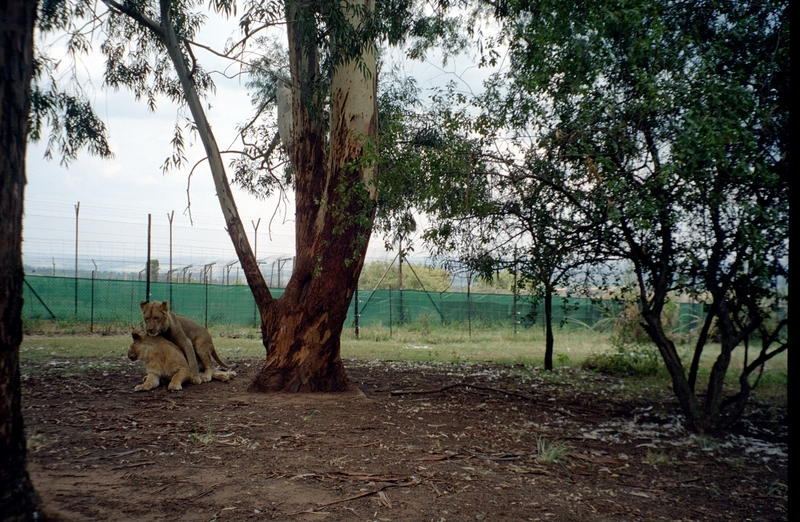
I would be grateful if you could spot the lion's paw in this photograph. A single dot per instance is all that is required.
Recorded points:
(140, 387)
(196, 379)
(175, 387)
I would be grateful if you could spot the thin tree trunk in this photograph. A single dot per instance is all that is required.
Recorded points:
(236, 230)
(18, 500)
(548, 326)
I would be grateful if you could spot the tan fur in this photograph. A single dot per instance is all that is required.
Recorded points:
(191, 338)
(163, 359)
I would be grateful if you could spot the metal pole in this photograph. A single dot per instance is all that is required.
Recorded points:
(390, 311)
(170, 217)
(147, 276)
(402, 314)
(356, 311)
(207, 272)
(91, 313)
(255, 256)
(515, 291)
(469, 305)
(77, 211)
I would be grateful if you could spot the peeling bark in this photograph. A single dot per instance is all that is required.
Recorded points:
(334, 185)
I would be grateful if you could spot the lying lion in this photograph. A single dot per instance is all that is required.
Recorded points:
(163, 359)
(190, 337)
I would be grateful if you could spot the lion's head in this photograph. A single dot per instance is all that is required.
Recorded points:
(156, 317)
(133, 352)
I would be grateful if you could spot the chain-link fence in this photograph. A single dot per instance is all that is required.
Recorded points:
(104, 301)
(88, 264)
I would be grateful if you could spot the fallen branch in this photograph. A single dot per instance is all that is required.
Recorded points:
(465, 385)
(111, 456)
(355, 497)
(138, 464)
(424, 392)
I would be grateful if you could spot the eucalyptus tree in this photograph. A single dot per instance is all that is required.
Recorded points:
(319, 92)
(329, 126)
(672, 120)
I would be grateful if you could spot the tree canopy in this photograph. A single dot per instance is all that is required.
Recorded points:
(645, 132)
(672, 118)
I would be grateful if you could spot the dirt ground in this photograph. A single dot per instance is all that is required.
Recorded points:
(472, 442)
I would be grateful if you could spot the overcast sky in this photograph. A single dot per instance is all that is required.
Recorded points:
(131, 185)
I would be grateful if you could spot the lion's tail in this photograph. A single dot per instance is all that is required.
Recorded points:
(225, 365)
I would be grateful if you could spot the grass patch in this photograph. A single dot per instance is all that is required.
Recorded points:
(453, 343)
(44, 350)
(635, 360)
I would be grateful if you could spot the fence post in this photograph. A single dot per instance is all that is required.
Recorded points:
(77, 211)
(207, 271)
(147, 276)
(390, 311)
(91, 313)
(170, 217)
(356, 311)
(255, 255)
(515, 291)
(469, 304)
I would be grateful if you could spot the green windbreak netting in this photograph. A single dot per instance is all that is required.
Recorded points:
(84, 300)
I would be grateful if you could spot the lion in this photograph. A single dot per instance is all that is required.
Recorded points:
(191, 338)
(163, 359)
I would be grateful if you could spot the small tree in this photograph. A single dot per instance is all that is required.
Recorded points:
(673, 121)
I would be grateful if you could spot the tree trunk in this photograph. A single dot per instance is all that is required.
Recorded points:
(335, 195)
(548, 326)
(680, 385)
(18, 500)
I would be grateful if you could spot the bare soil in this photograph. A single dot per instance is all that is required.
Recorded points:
(459, 442)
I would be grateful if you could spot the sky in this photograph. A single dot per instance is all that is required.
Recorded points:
(116, 195)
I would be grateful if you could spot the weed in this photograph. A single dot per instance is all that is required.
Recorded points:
(311, 415)
(654, 458)
(778, 489)
(204, 438)
(551, 451)
(39, 441)
(706, 443)
(563, 359)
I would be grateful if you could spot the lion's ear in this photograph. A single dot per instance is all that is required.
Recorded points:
(142, 305)
(136, 336)
(166, 306)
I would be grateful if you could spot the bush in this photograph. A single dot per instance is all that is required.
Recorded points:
(637, 360)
